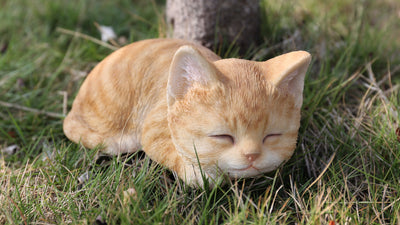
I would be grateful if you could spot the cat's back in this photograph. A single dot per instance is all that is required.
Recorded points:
(122, 89)
(135, 71)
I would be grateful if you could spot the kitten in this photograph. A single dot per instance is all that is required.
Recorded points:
(190, 110)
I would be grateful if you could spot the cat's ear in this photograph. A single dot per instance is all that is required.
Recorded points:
(287, 72)
(187, 68)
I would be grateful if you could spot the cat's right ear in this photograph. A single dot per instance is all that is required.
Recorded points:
(187, 68)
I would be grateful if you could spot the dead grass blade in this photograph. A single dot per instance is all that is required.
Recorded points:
(32, 110)
(86, 37)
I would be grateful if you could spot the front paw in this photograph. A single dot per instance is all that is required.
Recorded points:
(192, 176)
(199, 178)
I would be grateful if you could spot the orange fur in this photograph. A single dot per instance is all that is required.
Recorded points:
(187, 107)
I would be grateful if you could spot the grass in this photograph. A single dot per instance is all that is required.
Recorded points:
(346, 168)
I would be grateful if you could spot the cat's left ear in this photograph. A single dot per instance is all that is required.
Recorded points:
(287, 72)
(188, 67)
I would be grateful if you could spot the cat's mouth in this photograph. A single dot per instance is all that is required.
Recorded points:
(248, 167)
(248, 171)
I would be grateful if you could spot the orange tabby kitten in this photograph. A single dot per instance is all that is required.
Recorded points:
(187, 108)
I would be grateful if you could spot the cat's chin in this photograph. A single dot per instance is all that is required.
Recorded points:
(249, 171)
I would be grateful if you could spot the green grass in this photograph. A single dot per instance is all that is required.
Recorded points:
(346, 167)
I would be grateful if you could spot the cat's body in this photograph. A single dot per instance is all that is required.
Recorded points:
(183, 105)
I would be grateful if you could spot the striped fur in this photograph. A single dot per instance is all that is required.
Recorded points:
(178, 101)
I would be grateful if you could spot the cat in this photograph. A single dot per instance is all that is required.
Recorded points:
(197, 114)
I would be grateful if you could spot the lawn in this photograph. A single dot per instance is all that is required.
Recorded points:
(346, 167)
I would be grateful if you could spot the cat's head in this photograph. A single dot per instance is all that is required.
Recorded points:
(237, 116)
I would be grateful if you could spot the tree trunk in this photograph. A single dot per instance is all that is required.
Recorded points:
(210, 22)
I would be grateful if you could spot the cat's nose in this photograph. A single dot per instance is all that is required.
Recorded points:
(252, 156)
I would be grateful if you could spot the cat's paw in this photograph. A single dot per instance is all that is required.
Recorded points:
(193, 176)
(197, 178)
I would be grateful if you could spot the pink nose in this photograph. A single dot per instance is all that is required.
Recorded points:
(252, 156)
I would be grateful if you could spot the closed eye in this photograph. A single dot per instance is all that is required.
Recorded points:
(270, 135)
(224, 137)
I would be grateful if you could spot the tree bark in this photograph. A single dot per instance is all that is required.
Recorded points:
(210, 22)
